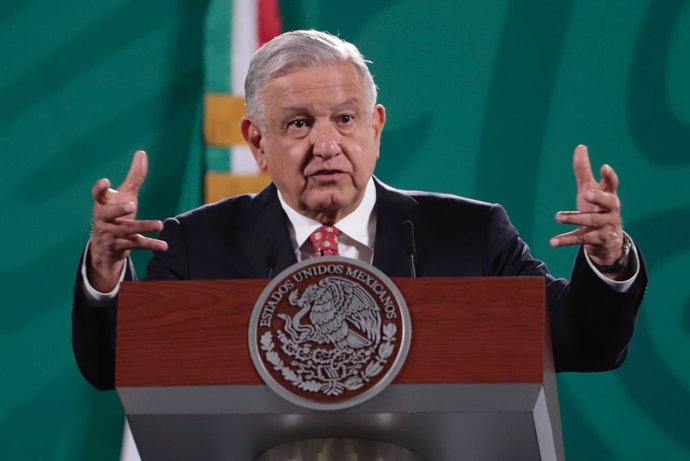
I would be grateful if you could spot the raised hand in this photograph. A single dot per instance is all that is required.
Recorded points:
(598, 213)
(116, 231)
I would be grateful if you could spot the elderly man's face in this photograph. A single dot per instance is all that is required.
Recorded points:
(321, 139)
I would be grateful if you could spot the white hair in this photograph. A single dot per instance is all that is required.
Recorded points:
(301, 49)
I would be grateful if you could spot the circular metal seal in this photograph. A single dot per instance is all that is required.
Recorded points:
(329, 333)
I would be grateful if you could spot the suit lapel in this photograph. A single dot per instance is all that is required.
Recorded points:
(392, 209)
(265, 237)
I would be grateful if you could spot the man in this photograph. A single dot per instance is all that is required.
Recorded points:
(313, 123)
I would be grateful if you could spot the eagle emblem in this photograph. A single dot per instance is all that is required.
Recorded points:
(330, 332)
(340, 313)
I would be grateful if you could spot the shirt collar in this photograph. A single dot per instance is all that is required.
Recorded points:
(355, 225)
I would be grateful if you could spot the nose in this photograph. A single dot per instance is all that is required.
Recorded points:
(324, 140)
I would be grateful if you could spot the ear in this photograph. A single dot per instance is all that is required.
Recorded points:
(251, 132)
(378, 120)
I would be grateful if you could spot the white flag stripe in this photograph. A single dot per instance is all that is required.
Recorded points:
(244, 41)
(243, 161)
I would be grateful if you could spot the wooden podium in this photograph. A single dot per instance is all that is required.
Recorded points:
(478, 383)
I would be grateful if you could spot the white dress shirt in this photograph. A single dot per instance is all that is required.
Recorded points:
(354, 241)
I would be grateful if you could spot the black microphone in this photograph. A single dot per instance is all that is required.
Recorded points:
(408, 239)
(272, 259)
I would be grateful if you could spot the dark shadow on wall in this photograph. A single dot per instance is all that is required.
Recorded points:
(520, 92)
(657, 132)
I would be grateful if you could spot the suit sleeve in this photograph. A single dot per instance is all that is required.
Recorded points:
(93, 333)
(591, 323)
(94, 325)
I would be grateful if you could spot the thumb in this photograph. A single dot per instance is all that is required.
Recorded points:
(136, 174)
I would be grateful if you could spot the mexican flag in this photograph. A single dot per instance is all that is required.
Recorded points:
(234, 30)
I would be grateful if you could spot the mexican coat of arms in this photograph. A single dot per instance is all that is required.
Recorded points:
(329, 333)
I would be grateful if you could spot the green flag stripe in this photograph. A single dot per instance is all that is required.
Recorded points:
(217, 46)
(217, 159)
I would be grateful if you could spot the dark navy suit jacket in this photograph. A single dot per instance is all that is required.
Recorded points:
(242, 237)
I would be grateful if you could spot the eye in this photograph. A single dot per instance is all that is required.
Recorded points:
(297, 123)
(345, 119)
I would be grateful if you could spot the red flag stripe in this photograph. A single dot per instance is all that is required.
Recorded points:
(270, 22)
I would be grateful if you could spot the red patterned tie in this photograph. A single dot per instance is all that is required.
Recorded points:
(325, 241)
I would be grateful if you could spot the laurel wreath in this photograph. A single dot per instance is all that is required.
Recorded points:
(334, 386)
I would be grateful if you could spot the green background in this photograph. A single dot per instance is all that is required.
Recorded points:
(485, 99)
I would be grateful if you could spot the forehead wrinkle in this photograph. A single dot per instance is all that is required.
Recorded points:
(284, 85)
(316, 90)
(351, 102)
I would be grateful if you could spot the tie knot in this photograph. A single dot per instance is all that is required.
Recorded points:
(325, 241)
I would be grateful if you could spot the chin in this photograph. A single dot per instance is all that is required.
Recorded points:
(327, 202)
